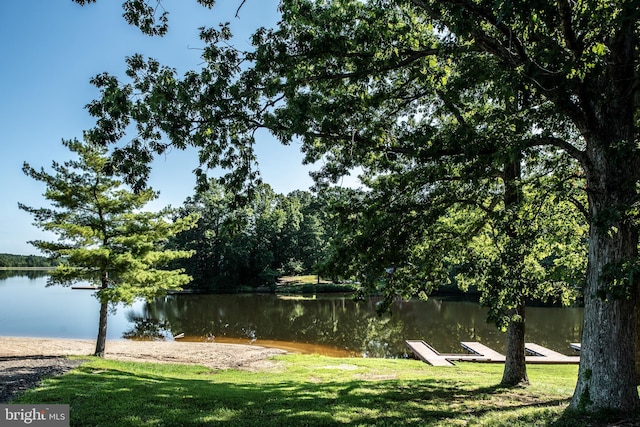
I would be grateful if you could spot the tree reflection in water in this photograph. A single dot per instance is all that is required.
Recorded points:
(330, 324)
(147, 328)
(30, 274)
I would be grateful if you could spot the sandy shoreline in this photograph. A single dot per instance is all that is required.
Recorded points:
(24, 362)
(213, 355)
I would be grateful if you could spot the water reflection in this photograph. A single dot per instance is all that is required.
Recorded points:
(29, 308)
(29, 274)
(339, 325)
(146, 328)
(333, 325)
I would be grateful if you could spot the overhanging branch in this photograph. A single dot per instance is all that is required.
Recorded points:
(563, 144)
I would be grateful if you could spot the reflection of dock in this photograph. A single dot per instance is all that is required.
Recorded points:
(478, 352)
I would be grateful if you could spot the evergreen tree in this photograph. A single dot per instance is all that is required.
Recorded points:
(104, 236)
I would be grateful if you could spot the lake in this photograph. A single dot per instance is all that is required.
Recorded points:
(326, 324)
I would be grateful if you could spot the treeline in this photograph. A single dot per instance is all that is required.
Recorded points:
(10, 260)
(239, 247)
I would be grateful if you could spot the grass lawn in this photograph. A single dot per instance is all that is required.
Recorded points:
(309, 285)
(309, 390)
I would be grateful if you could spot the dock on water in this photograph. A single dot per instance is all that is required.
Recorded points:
(427, 354)
(478, 352)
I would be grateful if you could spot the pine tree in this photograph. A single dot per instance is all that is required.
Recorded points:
(104, 235)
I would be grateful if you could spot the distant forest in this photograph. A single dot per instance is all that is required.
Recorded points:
(252, 244)
(10, 260)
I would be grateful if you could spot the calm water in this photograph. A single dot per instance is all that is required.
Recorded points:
(332, 325)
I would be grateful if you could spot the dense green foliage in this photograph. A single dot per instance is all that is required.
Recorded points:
(104, 236)
(250, 245)
(10, 260)
(442, 90)
(311, 391)
(416, 243)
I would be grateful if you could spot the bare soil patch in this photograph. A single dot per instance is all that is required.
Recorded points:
(24, 362)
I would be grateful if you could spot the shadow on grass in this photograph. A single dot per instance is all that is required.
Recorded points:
(119, 398)
(597, 419)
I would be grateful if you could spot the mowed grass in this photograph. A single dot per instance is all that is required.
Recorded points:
(309, 390)
(309, 285)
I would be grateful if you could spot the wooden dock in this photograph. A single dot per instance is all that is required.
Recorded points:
(540, 354)
(427, 354)
(478, 352)
(481, 349)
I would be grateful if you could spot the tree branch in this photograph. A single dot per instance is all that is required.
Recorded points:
(488, 43)
(565, 145)
(412, 56)
(569, 35)
(580, 207)
(240, 7)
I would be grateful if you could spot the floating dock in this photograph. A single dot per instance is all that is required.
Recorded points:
(475, 347)
(478, 352)
(427, 354)
(540, 354)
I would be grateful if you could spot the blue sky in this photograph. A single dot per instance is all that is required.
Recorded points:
(50, 50)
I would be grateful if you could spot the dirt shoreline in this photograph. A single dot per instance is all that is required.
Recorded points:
(24, 362)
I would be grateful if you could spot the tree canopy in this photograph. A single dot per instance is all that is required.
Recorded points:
(251, 245)
(363, 82)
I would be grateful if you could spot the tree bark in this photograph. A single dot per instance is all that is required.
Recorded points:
(515, 367)
(637, 343)
(607, 376)
(101, 341)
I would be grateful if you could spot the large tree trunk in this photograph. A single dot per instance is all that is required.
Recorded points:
(607, 376)
(515, 367)
(638, 342)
